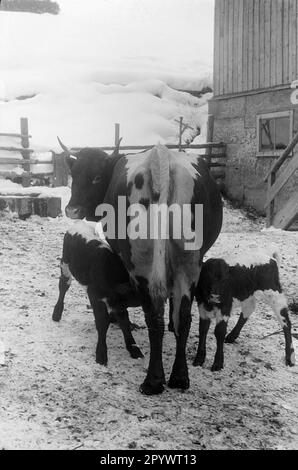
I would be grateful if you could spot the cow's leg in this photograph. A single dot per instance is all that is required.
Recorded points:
(247, 308)
(64, 284)
(125, 325)
(102, 322)
(279, 305)
(179, 376)
(220, 331)
(113, 317)
(154, 317)
(205, 319)
(171, 309)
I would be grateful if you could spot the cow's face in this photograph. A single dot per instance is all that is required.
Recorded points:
(88, 183)
(214, 280)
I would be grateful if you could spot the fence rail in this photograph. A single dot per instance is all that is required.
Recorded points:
(215, 153)
(170, 146)
(208, 146)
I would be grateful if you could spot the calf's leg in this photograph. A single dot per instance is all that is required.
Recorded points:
(248, 306)
(222, 317)
(233, 335)
(279, 305)
(289, 348)
(114, 320)
(125, 325)
(102, 322)
(64, 285)
(205, 319)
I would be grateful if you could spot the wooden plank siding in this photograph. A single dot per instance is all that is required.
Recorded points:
(221, 44)
(262, 42)
(292, 38)
(267, 27)
(285, 57)
(216, 58)
(239, 40)
(250, 44)
(255, 45)
(244, 78)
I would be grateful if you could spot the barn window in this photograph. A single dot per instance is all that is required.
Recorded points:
(275, 131)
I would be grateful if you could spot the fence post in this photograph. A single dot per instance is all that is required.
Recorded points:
(270, 208)
(26, 155)
(210, 130)
(117, 133)
(60, 170)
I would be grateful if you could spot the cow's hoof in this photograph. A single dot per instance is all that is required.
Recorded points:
(230, 339)
(216, 367)
(135, 352)
(151, 389)
(57, 314)
(56, 318)
(198, 361)
(290, 361)
(179, 382)
(102, 361)
(171, 327)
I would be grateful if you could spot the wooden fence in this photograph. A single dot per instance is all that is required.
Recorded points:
(59, 171)
(213, 152)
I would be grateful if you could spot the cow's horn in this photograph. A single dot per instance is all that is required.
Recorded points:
(116, 149)
(66, 150)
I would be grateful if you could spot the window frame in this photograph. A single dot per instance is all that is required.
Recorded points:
(278, 114)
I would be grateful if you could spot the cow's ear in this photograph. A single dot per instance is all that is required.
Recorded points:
(97, 179)
(70, 160)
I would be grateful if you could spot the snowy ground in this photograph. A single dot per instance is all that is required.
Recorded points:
(54, 395)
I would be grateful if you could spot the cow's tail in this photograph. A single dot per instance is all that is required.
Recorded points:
(160, 176)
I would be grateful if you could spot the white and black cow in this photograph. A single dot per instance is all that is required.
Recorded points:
(244, 278)
(90, 260)
(159, 267)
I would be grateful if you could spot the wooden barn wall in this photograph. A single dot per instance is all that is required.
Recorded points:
(255, 44)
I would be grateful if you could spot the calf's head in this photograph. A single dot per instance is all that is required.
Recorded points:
(213, 286)
(90, 170)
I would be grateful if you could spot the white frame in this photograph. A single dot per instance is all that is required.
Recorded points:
(278, 114)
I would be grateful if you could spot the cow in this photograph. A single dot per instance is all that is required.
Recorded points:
(159, 266)
(90, 260)
(245, 277)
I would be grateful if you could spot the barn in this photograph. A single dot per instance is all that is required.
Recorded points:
(254, 107)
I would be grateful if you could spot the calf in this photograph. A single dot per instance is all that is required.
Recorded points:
(90, 260)
(246, 279)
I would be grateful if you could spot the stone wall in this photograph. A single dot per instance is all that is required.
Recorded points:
(236, 124)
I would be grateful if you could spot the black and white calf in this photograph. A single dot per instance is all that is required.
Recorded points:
(90, 260)
(245, 278)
